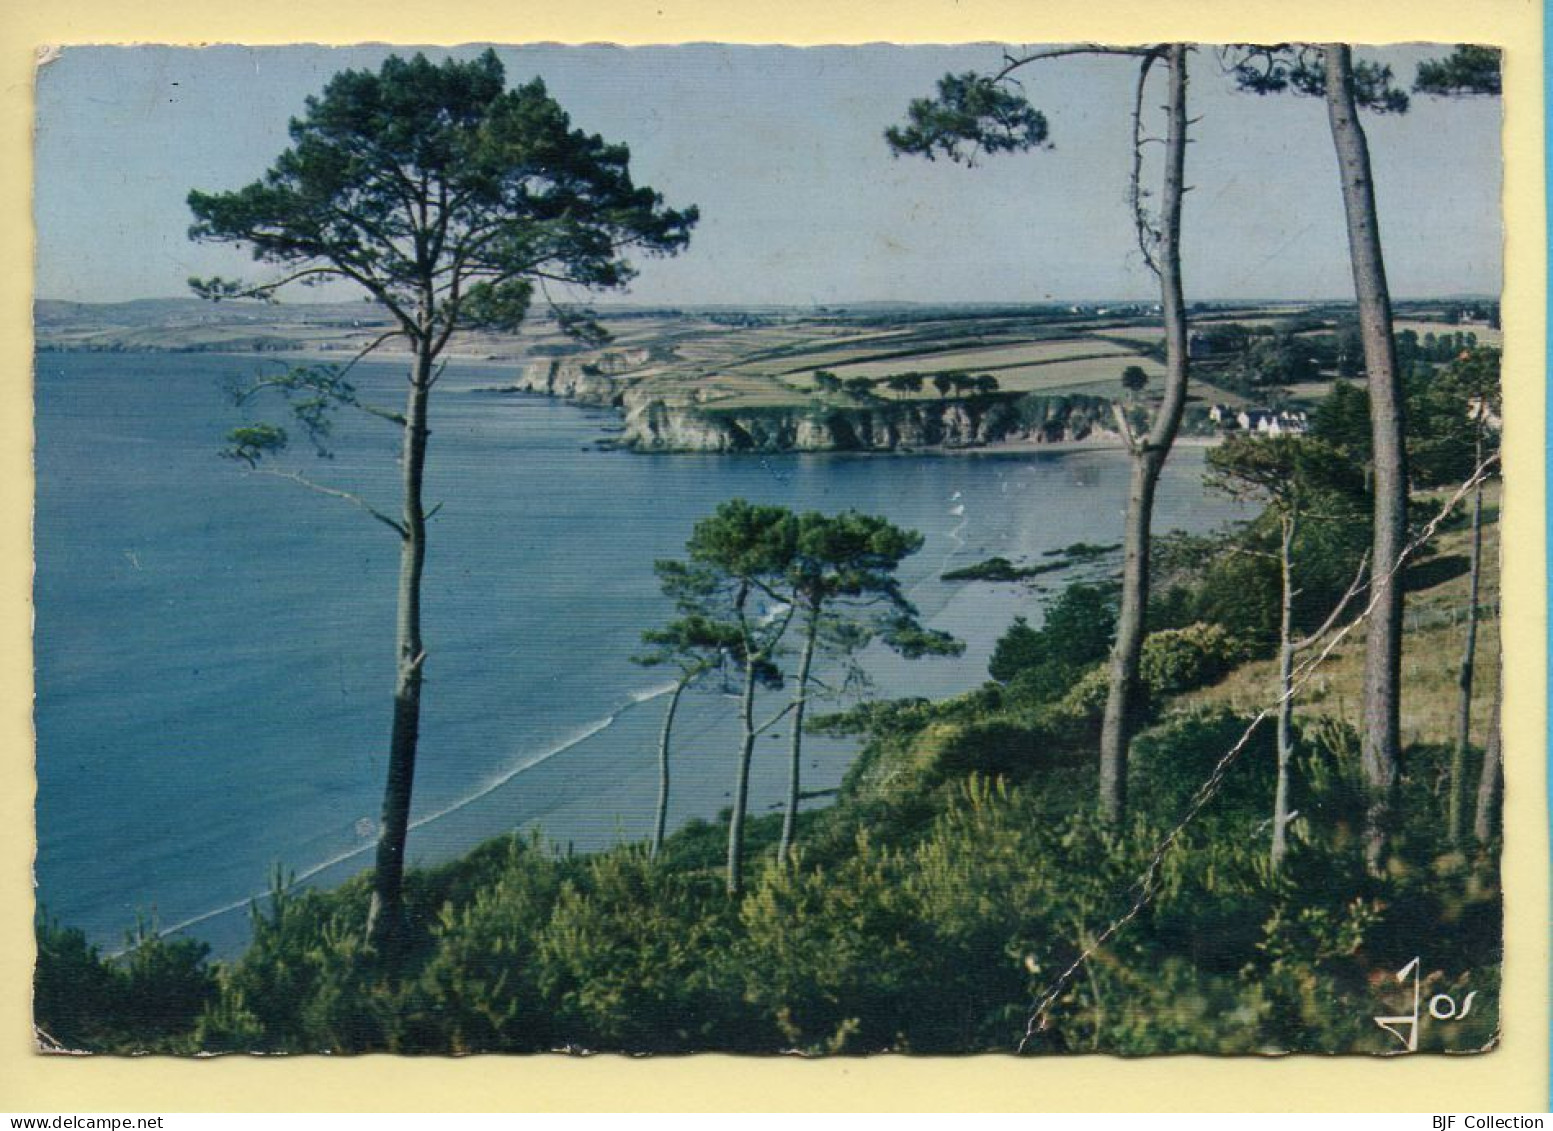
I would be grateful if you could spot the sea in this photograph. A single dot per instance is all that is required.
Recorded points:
(214, 645)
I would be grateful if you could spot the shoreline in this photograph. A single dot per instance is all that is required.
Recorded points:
(1109, 442)
(1100, 441)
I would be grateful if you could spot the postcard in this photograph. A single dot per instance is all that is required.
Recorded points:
(800, 551)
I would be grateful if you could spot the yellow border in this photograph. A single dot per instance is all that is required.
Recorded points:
(1514, 1078)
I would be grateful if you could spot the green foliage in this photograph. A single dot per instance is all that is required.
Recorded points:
(1233, 579)
(695, 643)
(1177, 660)
(1442, 413)
(961, 871)
(252, 442)
(942, 902)
(1450, 414)
(493, 185)
(482, 976)
(1172, 761)
(1077, 630)
(826, 381)
(1342, 419)
(744, 540)
(1019, 648)
(1299, 68)
(623, 961)
(1290, 473)
(1469, 69)
(447, 198)
(145, 1001)
(972, 114)
(833, 960)
(1282, 359)
(74, 991)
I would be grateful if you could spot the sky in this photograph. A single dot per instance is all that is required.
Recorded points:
(801, 201)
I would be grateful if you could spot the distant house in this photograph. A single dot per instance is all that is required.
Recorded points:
(1266, 422)
(1223, 416)
(1198, 345)
(1294, 423)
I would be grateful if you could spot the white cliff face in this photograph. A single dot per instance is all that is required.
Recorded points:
(590, 379)
(652, 425)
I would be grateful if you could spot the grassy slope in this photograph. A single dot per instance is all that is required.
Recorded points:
(1435, 631)
(929, 907)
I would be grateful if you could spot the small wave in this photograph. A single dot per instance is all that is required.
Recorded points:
(652, 693)
(957, 510)
(484, 790)
(576, 739)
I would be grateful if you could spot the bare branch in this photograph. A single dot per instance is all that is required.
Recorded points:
(1145, 232)
(336, 493)
(1012, 63)
(1326, 625)
(372, 409)
(773, 720)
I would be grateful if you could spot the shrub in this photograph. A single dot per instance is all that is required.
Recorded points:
(479, 991)
(1182, 659)
(1076, 631)
(145, 1001)
(635, 957)
(1172, 761)
(834, 959)
(74, 990)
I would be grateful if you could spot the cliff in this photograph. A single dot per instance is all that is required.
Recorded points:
(594, 379)
(889, 426)
(663, 418)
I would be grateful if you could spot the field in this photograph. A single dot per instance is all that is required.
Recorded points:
(1486, 336)
(774, 366)
(1435, 632)
(762, 357)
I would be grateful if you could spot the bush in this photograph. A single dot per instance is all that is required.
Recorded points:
(145, 1001)
(481, 985)
(835, 959)
(635, 958)
(74, 991)
(1178, 660)
(1076, 632)
(1171, 762)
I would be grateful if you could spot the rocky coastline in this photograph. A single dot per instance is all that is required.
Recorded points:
(654, 422)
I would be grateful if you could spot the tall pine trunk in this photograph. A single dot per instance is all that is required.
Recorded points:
(741, 790)
(661, 820)
(1491, 782)
(386, 916)
(1123, 702)
(795, 756)
(1285, 695)
(1456, 816)
(1379, 723)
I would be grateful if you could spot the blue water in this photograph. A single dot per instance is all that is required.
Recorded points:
(214, 648)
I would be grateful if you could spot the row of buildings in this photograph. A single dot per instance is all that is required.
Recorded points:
(1262, 421)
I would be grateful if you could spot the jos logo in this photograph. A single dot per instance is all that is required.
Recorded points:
(1441, 1007)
